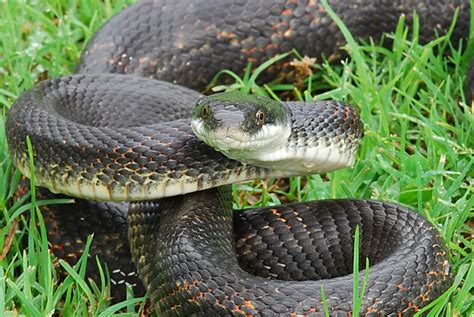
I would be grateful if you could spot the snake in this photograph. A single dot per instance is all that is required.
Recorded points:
(132, 126)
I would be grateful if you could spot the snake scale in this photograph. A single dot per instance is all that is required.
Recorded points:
(93, 132)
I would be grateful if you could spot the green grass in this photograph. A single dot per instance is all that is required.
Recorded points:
(417, 148)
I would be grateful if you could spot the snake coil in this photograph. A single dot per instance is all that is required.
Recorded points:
(99, 136)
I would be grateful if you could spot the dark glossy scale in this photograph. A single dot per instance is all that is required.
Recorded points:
(183, 247)
(294, 242)
(301, 246)
(188, 42)
(108, 126)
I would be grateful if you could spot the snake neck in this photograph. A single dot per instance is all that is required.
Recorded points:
(181, 231)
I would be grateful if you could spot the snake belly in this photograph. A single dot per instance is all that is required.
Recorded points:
(183, 245)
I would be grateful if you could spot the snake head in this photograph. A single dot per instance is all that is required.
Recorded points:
(241, 126)
(298, 138)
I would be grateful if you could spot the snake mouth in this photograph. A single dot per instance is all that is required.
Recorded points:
(239, 145)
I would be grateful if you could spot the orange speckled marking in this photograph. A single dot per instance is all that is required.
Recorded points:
(401, 287)
(225, 35)
(411, 306)
(276, 212)
(249, 304)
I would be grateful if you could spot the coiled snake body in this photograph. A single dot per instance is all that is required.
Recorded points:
(98, 137)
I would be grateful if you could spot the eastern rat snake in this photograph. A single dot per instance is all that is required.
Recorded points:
(192, 269)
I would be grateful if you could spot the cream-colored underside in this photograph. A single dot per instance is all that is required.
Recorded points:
(281, 162)
(305, 161)
(95, 189)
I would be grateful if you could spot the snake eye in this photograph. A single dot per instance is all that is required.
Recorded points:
(205, 112)
(260, 116)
